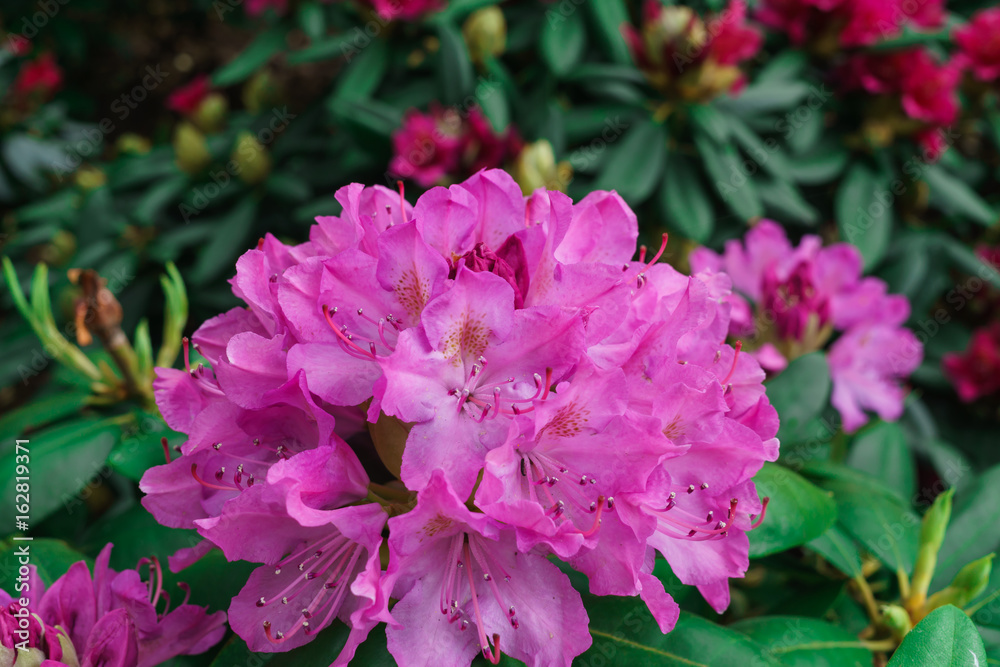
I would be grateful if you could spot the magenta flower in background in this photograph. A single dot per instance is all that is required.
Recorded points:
(848, 22)
(187, 98)
(407, 10)
(494, 380)
(41, 78)
(979, 43)
(433, 147)
(789, 301)
(108, 618)
(976, 372)
(258, 7)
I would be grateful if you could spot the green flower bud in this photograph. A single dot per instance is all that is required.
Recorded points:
(131, 143)
(970, 581)
(931, 536)
(536, 167)
(897, 620)
(190, 149)
(485, 33)
(211, 114)
(252, 159)
(261, 92)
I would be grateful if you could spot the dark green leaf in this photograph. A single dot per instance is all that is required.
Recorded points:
(945, 638)
(51, 558)
(361, 78)
(864, 213)
(455, 73)
(970, 535)
(788, 65)
(786, 200)
(711, 121)
(821, 165)
(955, 196)
(335, 46)
(608, 16)
(62, 460)
(770, 96)
(636, 163)
(685, 204)
(800, 392)
(799, 511)
(806, 642)
(839, 549)
(729, 175)
(564, 38)
(252, 58)
(881, 451)
(228, 241)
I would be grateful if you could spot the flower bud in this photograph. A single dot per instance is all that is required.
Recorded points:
(536, 167)
(931, 536)
(677, 30)
(261, 92)
(253, 160)
(59, 250)
(897, 620)
(970, 581)
(89, 178)
(191, 152)
(485, 33)
(131, 143)
(211, 114)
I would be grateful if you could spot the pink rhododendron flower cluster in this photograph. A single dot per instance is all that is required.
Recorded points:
(407, 10)
(976, 372)
(846, 23)
(110, 618)
(978, 42)
(788, 301)
(927, 90)
(37, 81)
(471, 385)
(681, 54)
(441, 144)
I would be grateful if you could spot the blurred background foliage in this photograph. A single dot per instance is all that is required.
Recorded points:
(154, 142)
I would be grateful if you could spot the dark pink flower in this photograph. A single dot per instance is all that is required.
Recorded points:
(41, 77)
(930, 89)
(258, 7)
(976, 372)
(979, 41)
(407, 10)
(187, 98)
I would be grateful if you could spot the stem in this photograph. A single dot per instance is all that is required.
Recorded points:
(867, 597)
(389, 493)
(904, 584)
(880, 645)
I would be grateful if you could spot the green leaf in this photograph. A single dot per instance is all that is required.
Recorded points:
(820, 166)
(42, 411)
(607, 18)
(139, 447)
(863, 207)
(786, 200)
(335, 46)
(881, 451)
(319, 652)
(877, 518)
(361, 78)
(945, 638)
(455, 73)
(968, 537)
(800, 392)
(252, 58)
(685, 204)
(227, 243)
(625, 633)
(157, 197)
(636, 163)
(51, 558)
(770, 96)
(62, 460)
(312, 19)
(788, 65)
(955, 196)
(709, 120)
(725, 168)
(799, 511)
(806, 642)
(839, 549)
(564, 38)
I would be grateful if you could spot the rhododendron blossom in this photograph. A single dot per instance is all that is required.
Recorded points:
(828, 24)
(108, 618)
(979, 43)
(471, 385)
(976, 371)
(788, 301)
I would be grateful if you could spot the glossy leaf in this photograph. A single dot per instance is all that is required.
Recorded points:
(800, 392)
(806, 642)
(864, 212)
(970, 533)
(635, 164)
(685, 204)
(881, 451)
(944, 638)
(839, 549)
(252, 58)
(564, 38)
(798, 511)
